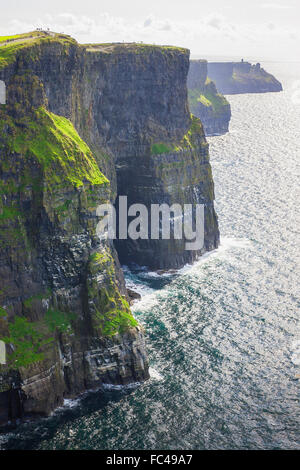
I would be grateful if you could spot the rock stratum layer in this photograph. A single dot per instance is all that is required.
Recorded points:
(82, 125)
(242, 77)
(205, 101)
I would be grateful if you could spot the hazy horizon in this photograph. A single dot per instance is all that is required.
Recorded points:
(262, 30)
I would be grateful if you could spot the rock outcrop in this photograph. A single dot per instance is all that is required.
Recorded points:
(242, 77)
(205, 101)
(82, 125)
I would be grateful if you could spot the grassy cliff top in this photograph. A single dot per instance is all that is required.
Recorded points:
(132, 47)
(34, 36)
(10, 45)
(199, 60)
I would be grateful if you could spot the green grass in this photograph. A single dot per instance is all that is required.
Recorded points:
(112, 313)
(3, 312)
(29, 338)
(160, 148)
(187, 141)
(14, 37)
(8, 213)
(202, 99)
(208, 99)
(44, 295)
(60, 321)
(15, 43)
(117, 320)
(53, 140)
(27, 342)
(133, 47)
(217, 100)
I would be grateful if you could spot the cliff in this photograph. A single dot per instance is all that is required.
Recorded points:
(242, 77)
(139, 105)
(81, 125)
(205, 101)
(64, 310)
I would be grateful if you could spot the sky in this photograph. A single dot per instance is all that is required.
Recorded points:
(253, 29)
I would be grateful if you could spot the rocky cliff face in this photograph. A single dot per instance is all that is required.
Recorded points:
(82, 125)
(63, 305)
(242, 77)
(205, 101)
(140, 109)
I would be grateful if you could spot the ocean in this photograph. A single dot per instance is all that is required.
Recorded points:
(223, 335)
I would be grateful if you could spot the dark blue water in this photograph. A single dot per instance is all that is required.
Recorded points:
(223, 335)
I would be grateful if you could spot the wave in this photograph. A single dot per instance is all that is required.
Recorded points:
(155, 375)
(138, 280)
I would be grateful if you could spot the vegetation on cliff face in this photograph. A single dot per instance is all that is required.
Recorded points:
(52, 139)
(115, 316)
(187, 142)
(26, 342)
(43, 151)
(209, 97)
(129, 105)
(26, 339)
(205, 101)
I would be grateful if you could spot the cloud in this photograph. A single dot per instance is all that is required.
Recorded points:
(215, 21)
(157, 24)
(148, 21)
(275, 6)
(166, 26)
(213, 34)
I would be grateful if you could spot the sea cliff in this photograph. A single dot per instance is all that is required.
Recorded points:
(205, 101)
(81, 125)
(242, 77)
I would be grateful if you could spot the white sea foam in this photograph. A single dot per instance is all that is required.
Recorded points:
(70, 403)
(3, 439)
(147, 301)
(225, 245)
(149, 296)
(155, 375)
(120, 387)
(74, 402)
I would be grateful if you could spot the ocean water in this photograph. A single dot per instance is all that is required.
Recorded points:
(223, 335)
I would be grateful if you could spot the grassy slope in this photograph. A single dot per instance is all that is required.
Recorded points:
(56, 145)
(207, 98)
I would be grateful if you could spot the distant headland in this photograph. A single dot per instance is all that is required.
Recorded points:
(242, 77)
